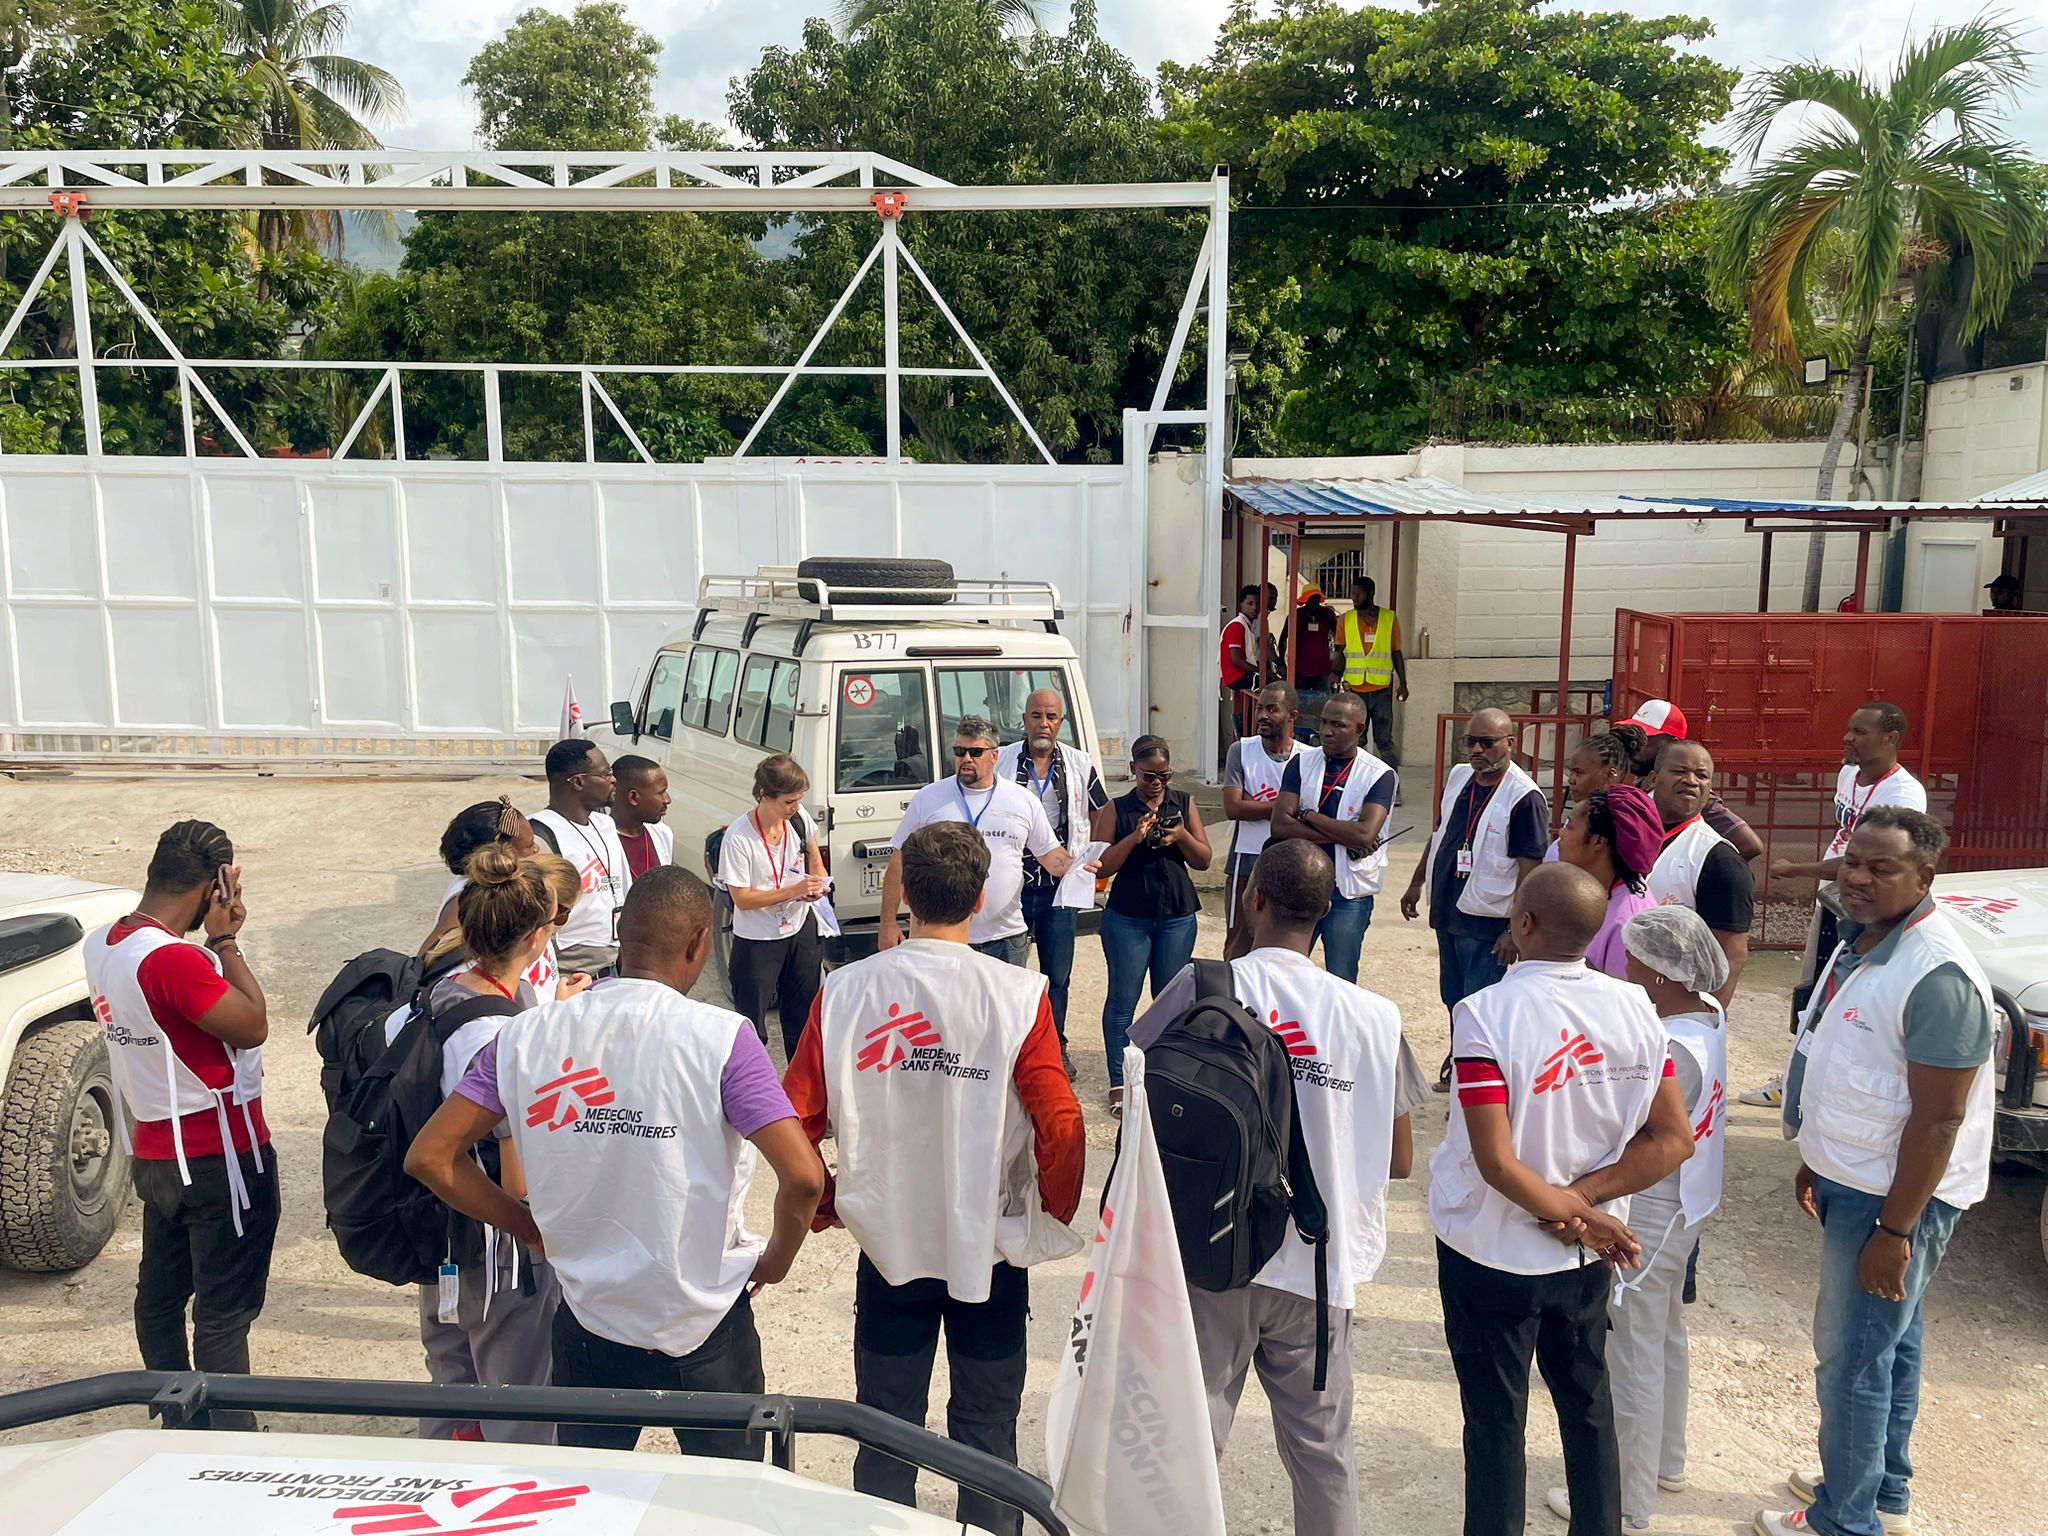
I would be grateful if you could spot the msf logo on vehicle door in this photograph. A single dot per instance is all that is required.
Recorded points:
(910, 1042)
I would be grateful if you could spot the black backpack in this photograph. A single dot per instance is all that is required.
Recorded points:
(1220, 1090)
(348, 1022)
(387, 1224)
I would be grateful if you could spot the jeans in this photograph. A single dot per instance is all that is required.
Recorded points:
(728, 1361)
(1342, 932)
(1308, 725)
(1134, 946)
(1494, 1323)
(1015, 949)
(1465, 964)
(1379, 724)
(1051, 928)
(895, 1340)
(190, 1253)
(1867, 1374)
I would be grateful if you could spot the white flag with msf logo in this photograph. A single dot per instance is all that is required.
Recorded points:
(572, 712)
(1127, 1428)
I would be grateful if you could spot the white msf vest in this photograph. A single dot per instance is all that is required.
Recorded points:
(1854, 1101)
(148, 1075)
(1491, 886)
(1262, 775)
(937, 1177)
(1076, 771)
(1344, 1044)
(636, 1179)
(600, 859)
(1703, 1037)
(1357, 874)
(1582, 1054)
(1675, 878)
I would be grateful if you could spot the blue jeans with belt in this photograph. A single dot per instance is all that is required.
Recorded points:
(1867, 1371)
(1134, 947)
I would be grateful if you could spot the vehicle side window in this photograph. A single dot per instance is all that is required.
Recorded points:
(779, 734)
(725, 672)
(883, 730)
(698, 685)
(750, 722)
(664, 693)
(997, 694)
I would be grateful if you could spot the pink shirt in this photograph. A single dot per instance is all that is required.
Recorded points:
(1605, 953)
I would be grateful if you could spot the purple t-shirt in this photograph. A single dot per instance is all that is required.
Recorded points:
(1606, 953)
(749, 1092)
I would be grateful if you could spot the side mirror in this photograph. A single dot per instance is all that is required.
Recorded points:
(623, 721)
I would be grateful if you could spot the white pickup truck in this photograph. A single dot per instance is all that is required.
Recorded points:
(63, 1170)
(2003, 914)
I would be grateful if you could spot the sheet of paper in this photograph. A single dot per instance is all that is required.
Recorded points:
(1077, 886)
(828, 920)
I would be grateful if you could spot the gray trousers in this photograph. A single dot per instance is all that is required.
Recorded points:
(1276, 1331)
(1648, 1360)
(511, 1347)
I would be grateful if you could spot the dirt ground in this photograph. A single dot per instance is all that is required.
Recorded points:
(335, 867)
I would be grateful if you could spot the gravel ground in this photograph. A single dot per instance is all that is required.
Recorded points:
(333, 867)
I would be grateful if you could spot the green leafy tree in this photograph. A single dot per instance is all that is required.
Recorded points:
(1476, 204)
(153, 74)
(1071, 308)
(312, 97)
(1903, 172)
(854, 15)
(646, 288)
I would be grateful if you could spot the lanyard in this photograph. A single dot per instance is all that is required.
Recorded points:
(1475, 811)
(1673, 835)
(1040, 786)
(596, 851)
(505, 990)
(974, 817)
(1334, 784)
(1858, 807)
(774, 850)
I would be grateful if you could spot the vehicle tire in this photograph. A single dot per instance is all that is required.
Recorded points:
(721, 936)
(918, 576)
(63, 1173)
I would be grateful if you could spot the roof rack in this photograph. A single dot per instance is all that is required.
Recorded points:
(775, 590)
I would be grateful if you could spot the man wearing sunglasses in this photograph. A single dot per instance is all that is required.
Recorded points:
(1011, 821)
(1492, 829)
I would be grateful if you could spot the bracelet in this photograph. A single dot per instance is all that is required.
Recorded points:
(1904, 1237)
(219, 939)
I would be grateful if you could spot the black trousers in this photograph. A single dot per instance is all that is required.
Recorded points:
(1494, 1322)
(728, 1361)
(190, 1254)
(782, 974)
(896, 1338)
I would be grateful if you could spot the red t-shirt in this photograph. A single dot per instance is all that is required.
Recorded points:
(1316, 628)
(639, 848)
(180, 985)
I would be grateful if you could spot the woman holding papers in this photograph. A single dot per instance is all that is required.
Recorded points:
(770, 864)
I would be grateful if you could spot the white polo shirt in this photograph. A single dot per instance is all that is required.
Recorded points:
(1011, 821)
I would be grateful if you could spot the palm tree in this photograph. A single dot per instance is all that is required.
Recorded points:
(1906, 171)
(313, 98)
(857, 15)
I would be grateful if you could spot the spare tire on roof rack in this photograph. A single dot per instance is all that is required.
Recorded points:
(901, 581)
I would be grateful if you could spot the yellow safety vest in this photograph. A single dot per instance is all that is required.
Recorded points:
(1368, 670)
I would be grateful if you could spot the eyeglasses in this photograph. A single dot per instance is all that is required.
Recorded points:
(1159, 776)
(1484, 741)
(960, 752)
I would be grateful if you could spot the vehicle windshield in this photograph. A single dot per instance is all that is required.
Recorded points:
(997, 694)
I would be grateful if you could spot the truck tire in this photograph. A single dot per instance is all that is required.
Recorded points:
(926, 581)
(63, 1173)
(721, 936)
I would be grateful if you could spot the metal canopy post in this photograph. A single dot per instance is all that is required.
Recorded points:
(1215, 450)
(81, 333)
(1763, 580)
(1564, 668)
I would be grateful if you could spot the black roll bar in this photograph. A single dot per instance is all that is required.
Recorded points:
(177, 1398)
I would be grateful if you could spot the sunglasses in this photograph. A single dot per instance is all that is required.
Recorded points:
(1484, 741)
(960, 752)
(1159, 776)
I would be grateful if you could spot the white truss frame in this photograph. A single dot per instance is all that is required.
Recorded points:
(753, 181)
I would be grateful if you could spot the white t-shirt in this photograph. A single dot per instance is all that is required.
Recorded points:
(1011, 821)
(746, 863)
(1852, 799)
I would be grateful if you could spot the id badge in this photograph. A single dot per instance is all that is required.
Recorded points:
(615, 918)
(448, 1293)
(1464, 861)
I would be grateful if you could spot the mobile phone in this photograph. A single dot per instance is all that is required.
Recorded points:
(223, 887)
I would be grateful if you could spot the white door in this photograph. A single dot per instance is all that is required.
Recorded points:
(1946, 573)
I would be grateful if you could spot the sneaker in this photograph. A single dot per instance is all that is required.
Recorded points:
(1805, 1481)
(1067, 1062)
(1673, 1484)
(1769, 1095)
(1560, 1502)
(1778, 1522)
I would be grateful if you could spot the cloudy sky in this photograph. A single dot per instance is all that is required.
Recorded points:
(706, 42)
